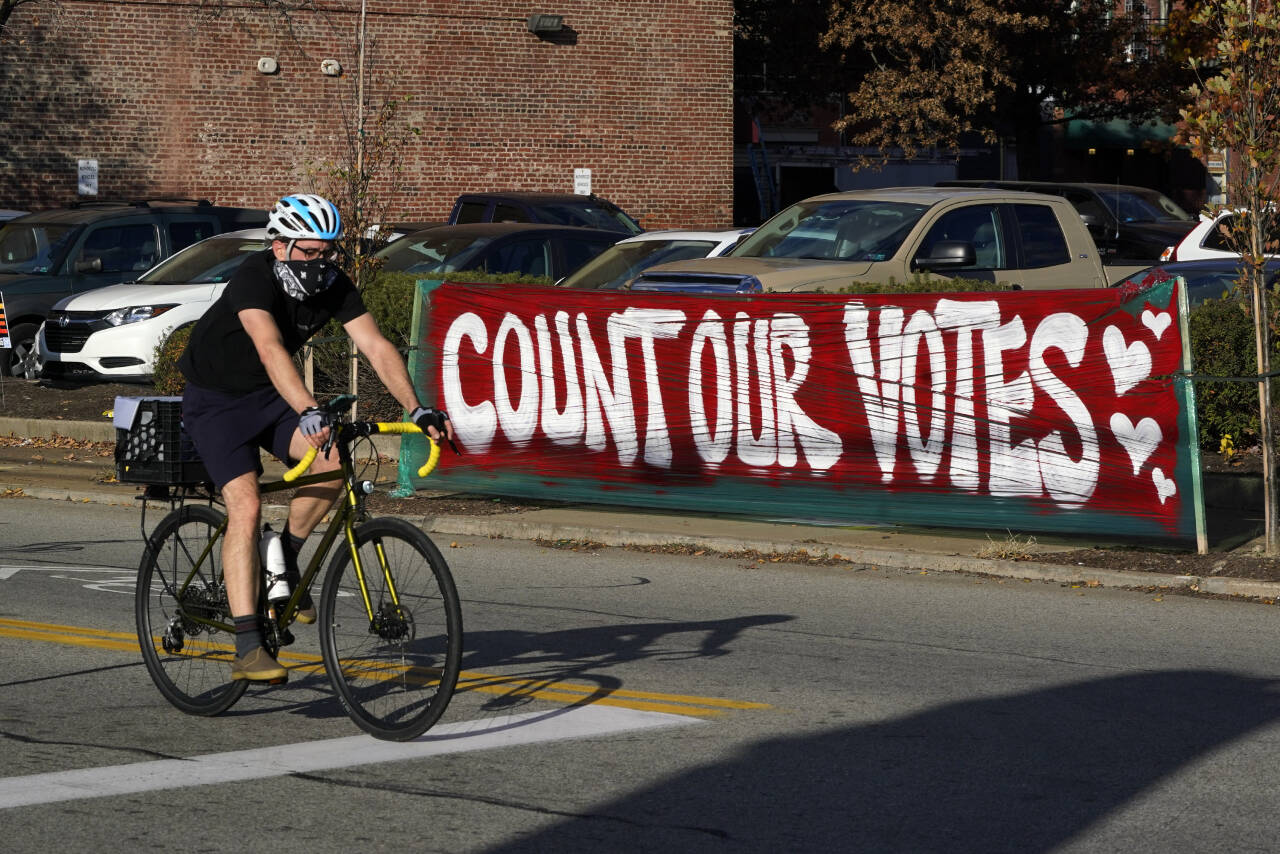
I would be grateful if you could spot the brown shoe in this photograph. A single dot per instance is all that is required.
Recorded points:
(306, 609)
(258, 666)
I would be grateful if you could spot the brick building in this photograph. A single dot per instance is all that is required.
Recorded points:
(169, 100)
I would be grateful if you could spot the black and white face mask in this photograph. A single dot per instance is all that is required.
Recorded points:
(302, 279)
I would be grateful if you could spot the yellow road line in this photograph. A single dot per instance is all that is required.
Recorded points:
(486, 683)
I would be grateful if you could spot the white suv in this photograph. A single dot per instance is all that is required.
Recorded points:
(113, 333)
(1207, 239)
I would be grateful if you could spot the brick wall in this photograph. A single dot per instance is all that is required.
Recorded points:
(169, 101)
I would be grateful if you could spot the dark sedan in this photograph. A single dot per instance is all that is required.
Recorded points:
(523, 248)
(1211, 279)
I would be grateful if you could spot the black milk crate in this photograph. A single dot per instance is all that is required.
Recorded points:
(155, 448)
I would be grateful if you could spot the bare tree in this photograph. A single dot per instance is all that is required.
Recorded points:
(1236, 103)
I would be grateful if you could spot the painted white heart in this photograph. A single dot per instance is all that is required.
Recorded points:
(1130, 364)
(1165, 488)
(1140, 440)
(1157, 323)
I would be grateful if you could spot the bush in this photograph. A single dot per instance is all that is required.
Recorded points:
(166, 377)
(1222, 345)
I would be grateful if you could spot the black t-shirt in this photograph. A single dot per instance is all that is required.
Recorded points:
(221, 355)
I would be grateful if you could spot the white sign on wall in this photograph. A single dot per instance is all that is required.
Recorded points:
(88, 183)
(582, 182)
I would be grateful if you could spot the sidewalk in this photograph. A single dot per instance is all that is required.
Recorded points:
(74, 475)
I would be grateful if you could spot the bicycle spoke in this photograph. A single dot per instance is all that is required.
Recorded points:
(174, 606)
(394, 663)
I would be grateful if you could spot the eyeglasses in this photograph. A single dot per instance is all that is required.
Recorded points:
(312, 254)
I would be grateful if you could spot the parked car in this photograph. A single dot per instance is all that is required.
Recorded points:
(1127, 223)
(616, 266)
(8, 214)
(548, 208)
(1209, 239)
(1026, 240)
(1211, 278)
(112, 333)
(525, 248)
(48, 255)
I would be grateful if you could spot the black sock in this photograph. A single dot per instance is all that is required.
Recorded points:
(292, 546)
(248, 635)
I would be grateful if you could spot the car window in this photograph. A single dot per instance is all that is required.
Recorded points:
(183, 233)
(528, 256)
(1143, 206)
(33, 247)
(844, 230)
(509, 213)
(208, 262)
(579, 250)
(619, 263)
(1086, 204)
(433, 251)
(1043, 244)
(471, 212)
(588, 213)
(1216, 239)
(121, 248)
(977, 225)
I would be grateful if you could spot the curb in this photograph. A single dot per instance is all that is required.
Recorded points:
(495, 528)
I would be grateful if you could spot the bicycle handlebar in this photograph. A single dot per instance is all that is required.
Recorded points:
(433, 456)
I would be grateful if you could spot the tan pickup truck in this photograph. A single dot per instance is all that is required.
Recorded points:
(1027, 240)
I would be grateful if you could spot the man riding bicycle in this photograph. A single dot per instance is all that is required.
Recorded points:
(244, 393)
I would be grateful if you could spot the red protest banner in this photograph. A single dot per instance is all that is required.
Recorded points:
(923, 407)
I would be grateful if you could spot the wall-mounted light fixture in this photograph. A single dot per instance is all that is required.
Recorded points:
(1093, 151)
(268, 65)
(545, 25)
(331, 68)
(1129, 152)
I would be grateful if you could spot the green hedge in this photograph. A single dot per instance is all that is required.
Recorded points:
(1223, 345)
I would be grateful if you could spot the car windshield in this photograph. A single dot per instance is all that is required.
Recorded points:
(592, 214)
(33, 247)
(1143, 206)
(622, 262)
(834, 230)
(432, 253)
(206, 262)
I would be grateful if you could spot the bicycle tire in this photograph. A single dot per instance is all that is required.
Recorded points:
(394, 674)
(188, 661)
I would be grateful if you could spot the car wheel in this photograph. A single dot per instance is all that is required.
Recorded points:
(21, 359)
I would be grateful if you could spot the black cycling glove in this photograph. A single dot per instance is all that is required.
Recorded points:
(426, 417)
(313, 420)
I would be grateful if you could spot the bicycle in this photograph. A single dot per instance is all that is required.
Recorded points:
(390, 623)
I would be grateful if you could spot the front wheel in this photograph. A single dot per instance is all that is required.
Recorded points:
(21, 359)
(180, 589)
(394, 657)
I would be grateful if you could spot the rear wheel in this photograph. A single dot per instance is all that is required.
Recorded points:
(188, 660)
(395, 673)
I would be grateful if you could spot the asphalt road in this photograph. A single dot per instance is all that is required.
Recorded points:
(621, 701)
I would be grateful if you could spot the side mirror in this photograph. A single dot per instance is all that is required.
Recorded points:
(89, 265)
(947, 254)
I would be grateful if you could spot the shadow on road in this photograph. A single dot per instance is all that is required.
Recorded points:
(1020, 774)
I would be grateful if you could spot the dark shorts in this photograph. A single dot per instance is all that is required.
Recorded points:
(229, 429)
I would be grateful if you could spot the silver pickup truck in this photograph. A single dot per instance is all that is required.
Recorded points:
(1024, 240)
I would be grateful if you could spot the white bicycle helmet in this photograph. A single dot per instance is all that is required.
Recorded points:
(304, 217)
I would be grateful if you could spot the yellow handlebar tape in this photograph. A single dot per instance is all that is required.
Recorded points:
(433, 456)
